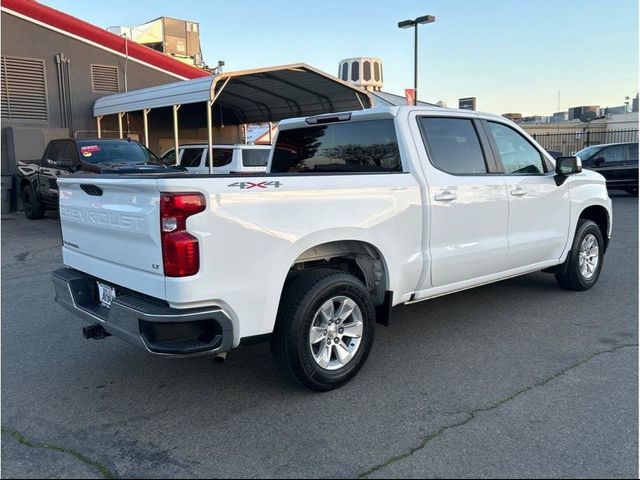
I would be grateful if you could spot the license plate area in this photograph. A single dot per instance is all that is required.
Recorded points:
(106, 294)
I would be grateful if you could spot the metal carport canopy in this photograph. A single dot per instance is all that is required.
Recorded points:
(248, 96)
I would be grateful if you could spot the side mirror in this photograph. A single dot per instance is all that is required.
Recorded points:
(567, 166)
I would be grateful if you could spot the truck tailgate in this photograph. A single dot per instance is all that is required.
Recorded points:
(111, 229)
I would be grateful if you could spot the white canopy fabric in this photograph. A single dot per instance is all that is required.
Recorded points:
(249, 96)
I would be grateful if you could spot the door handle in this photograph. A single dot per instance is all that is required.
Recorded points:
(519, 192)
(446, 196)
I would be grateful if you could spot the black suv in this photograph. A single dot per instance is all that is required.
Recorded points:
(39, 186)
(617, 162)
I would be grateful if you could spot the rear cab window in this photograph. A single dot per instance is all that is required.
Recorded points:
(255, 157)
(368, 146)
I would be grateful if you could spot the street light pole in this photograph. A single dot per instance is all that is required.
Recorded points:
(414, 23)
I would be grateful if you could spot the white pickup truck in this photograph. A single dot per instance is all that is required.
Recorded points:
(359, 212)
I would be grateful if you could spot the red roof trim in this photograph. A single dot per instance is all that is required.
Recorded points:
(80, 28)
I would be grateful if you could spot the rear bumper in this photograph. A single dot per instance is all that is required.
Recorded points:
(145, 321)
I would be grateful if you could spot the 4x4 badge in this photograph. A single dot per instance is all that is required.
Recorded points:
(248, 185)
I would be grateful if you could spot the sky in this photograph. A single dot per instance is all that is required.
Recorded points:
(513, 55)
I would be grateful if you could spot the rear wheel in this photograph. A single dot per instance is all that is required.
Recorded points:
(584, 262)
(324, 329)
(33, 207)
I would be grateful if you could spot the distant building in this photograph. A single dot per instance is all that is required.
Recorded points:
(533, 119)
(514, 117)
(559, 117)
(467, 103)
(575, 113)
(616, 110)
(634, 107)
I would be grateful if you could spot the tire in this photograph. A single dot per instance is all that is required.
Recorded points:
(33, 207)
(571, 275)
(303, 297)
(632, 191)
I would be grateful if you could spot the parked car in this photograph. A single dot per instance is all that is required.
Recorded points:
(359, 212)
(226, 158)
(617, 162)
(38, 182)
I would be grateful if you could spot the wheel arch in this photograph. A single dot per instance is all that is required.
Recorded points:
(600, 216)
(356, 256)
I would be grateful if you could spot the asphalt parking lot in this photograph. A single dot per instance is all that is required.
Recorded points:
(515, 379)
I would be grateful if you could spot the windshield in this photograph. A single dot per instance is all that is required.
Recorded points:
(96, 151)
(588, 152)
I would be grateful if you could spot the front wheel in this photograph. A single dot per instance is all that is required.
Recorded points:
(324, 329)
(32, 206)
(584, 262)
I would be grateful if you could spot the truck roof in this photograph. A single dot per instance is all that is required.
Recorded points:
(388, 112)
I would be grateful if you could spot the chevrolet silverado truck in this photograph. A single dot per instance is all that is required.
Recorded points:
(359, 212)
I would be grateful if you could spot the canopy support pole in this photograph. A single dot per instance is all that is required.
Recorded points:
(145, 112)
(120, 115)
(98, 119)
(175, 132)
(360, 100)
(210, 135)
(210, 124)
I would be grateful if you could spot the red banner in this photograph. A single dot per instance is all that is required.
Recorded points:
(410, 95)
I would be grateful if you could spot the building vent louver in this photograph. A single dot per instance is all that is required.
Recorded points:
(24, 89)
(105, 78)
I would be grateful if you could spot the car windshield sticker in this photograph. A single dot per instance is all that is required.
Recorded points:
(88, 150)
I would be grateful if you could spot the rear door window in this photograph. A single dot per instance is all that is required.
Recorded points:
(255, 157)
(453, 145)
(613, 154)
(191, 157)
(221, 157)
(363, 147)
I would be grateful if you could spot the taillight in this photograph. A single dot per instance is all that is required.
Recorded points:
(180, 251)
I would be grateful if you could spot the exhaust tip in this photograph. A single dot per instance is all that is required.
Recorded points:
(220, 357)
